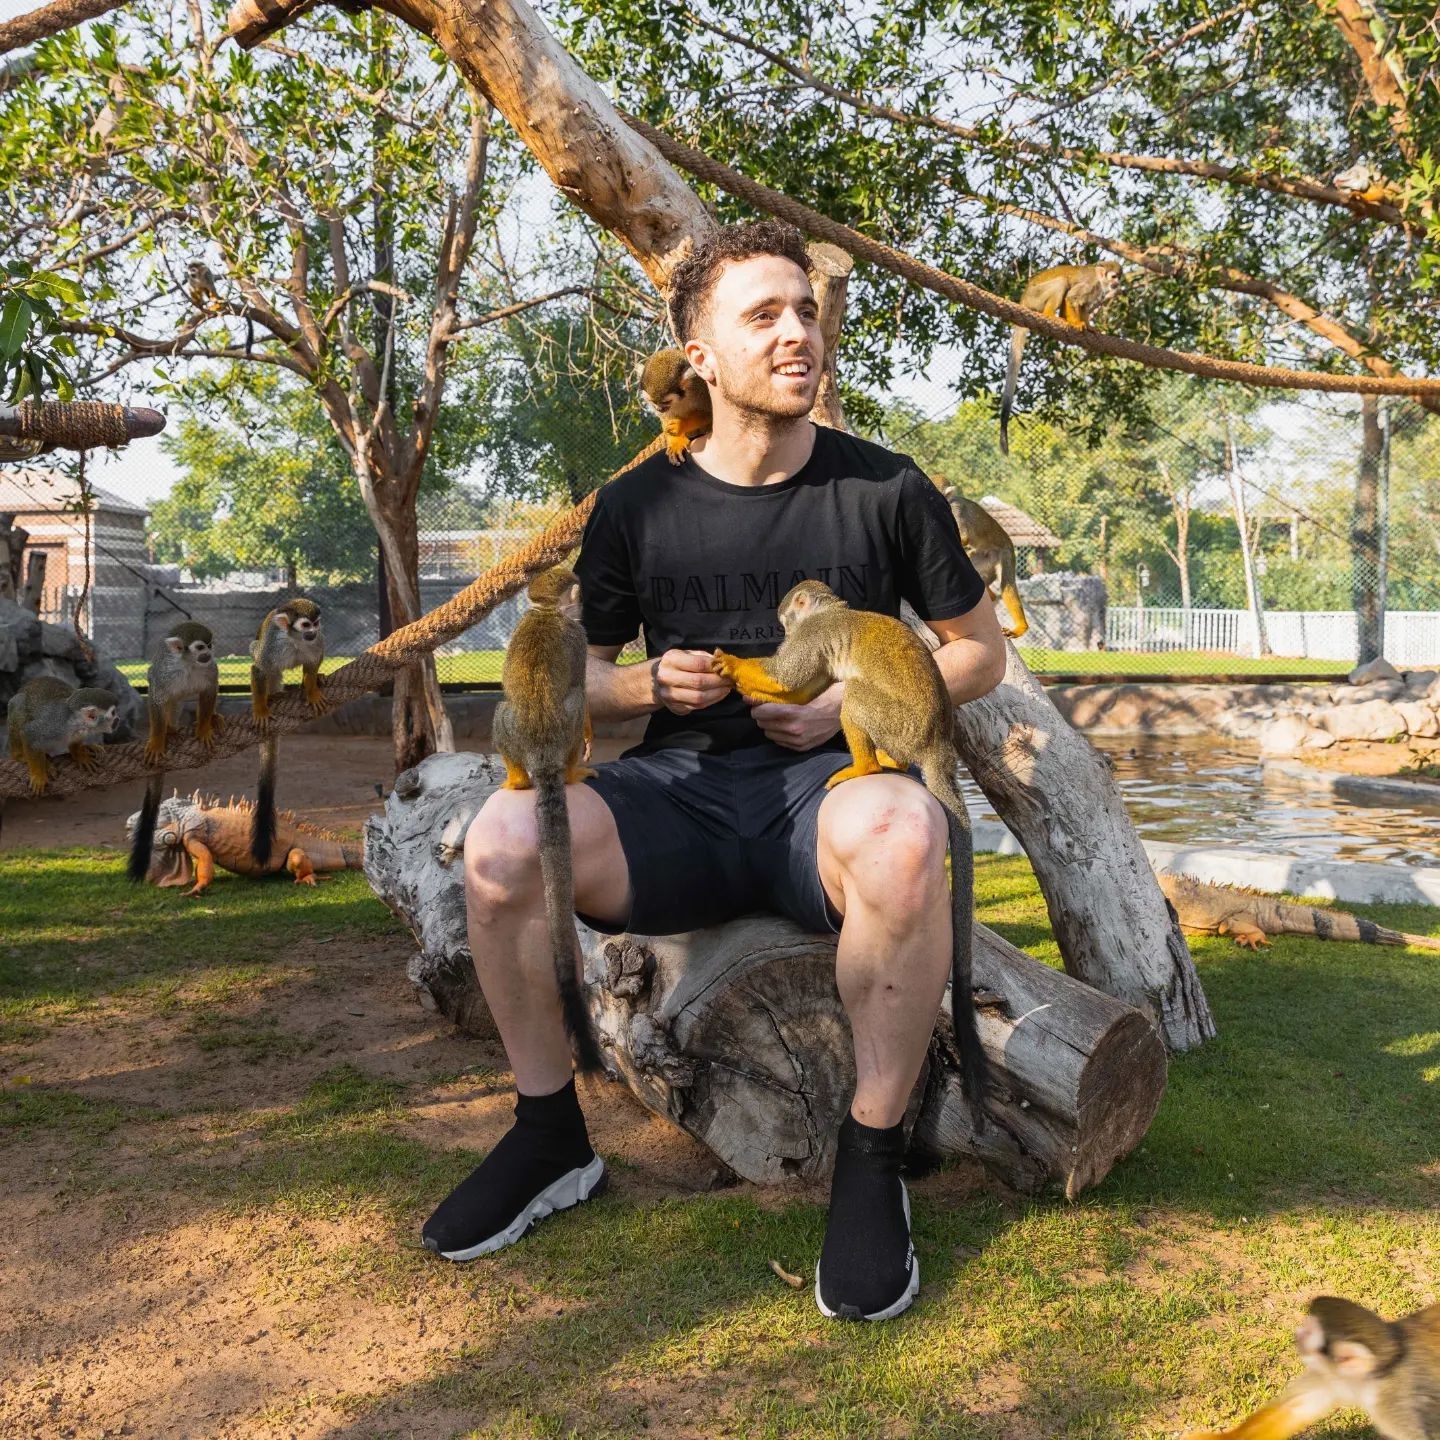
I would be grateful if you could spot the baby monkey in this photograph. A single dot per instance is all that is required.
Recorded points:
(542, 731)
(896, 712)
(290, 635)
(182, 668)
(679, 397)
(1073, 292)
(48, 717)
(1388, 1368)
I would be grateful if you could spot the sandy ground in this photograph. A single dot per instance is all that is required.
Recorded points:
(334, 781)
(134, 1303)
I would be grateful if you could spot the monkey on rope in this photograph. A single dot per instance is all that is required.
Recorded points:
(182, 668)
(991, 552)
(47, 717)
(542, 731)
(290, 635)
(1390, 1369)
(1075, 293)
(896, 712)
(679, 397)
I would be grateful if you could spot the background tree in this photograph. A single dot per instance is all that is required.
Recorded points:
(343, 189)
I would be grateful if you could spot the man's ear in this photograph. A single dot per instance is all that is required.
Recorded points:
(701, 358)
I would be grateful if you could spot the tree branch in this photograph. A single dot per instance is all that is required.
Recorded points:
(1176, 262)
(1296, 187)
(1381, 66)
(51, 20)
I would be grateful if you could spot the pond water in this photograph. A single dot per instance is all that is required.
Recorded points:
(1206, 791)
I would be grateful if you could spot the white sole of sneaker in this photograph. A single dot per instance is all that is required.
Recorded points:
(896, 1307)
(570, 1189)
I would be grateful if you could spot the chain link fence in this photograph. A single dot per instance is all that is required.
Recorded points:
(1293, 540)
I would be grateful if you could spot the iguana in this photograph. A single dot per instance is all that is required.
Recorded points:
(1249, 917)
(198, 831)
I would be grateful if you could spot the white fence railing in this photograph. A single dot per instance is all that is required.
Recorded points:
(1412, 637)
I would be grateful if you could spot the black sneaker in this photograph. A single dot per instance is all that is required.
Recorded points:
(469, 1223)
(542, 1164)
(840, 1309)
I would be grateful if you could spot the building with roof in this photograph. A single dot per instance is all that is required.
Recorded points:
(113, 552)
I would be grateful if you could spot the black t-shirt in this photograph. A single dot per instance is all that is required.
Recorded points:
(702, 564)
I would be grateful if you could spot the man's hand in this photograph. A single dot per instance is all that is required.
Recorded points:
(801, 727)
(684, 681)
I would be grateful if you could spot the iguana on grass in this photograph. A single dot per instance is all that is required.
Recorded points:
(1249, 917)
(198, 832)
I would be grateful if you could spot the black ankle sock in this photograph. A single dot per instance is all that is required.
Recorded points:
(865, 1264)
(547, 1140)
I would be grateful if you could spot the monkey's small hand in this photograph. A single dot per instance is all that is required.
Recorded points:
(154, 752)
(87, 757)
(313, 697)
(208, 728)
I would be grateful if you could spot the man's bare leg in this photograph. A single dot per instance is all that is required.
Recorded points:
(881, 854)
(505, 920)
(545, 1161)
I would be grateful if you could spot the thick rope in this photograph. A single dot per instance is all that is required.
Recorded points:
(75, 425)
(974, 298)
(363, 674)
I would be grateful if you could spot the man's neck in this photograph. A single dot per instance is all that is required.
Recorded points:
(744, 452)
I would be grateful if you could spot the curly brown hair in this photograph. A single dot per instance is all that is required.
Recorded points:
(693, 280)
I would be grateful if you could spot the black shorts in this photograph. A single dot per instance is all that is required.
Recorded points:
(710, 837)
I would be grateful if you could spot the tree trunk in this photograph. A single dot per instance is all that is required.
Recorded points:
(1056, 793)
(419, 723)
(34, 596)
(12, 547)
(830, 278)
(1247, 559)
(1364, 534)
(737, 1034)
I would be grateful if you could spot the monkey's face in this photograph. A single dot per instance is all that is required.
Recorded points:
(97, 719)
(761, 350)
(196, 652)
(1109, 284)
(304, 627)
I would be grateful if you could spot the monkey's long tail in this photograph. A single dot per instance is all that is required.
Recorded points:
(552, 819)
(143, 839)
(1012, 374)
(262, 822)
(1010, 594)
(973, 1066)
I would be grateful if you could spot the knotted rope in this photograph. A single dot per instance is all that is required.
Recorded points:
(75, 424)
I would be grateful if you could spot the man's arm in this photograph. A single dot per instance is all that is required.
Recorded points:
(680, 681)
(971, 656)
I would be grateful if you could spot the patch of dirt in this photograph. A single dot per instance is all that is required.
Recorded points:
(129, 1305)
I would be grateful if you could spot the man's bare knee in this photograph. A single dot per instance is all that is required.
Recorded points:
(886, 843)
(502, 856)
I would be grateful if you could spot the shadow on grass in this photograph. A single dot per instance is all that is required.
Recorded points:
(86, 930)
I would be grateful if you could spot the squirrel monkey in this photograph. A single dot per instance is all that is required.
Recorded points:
(991, 552)
(1388, 1368)
(290, 635)
(48, 717)
(1073, 292)
(1362, 183)
(896, 712)
(200, 285)
(182, 668)
(542, 731)
(679, 397)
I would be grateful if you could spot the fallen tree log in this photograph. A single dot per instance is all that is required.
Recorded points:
(736, 1033)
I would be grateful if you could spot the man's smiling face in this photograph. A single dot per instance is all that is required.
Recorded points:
(760, 348)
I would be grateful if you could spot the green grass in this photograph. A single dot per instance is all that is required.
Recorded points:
(472, 667)
(1295, 1154)
(482, 667)
(1139, 664)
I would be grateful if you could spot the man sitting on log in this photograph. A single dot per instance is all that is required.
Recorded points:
(722, 810)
